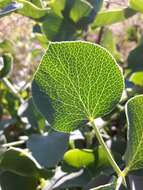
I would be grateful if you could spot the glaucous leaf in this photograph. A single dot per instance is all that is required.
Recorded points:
(48, 150)
(76, 82)
(135, 59)
(11, 181)
(134, 152)
(20, 162)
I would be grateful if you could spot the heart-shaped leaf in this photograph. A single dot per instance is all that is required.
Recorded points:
(134, 153)
(76, 82)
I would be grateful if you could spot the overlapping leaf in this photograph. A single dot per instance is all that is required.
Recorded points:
(134, 153)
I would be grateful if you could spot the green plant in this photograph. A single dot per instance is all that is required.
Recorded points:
(78, 123)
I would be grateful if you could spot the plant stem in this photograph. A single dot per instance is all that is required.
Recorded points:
(107, 151)
(13, 143)
(12, 88)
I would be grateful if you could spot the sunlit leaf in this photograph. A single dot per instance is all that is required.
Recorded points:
(79, 81)
(137, 78)
(136, 5)
(80, 8)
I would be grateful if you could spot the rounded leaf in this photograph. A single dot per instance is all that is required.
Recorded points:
(76, 81)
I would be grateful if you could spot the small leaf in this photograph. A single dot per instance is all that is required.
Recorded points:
(10, 8)
(134, 112)
(6, 62)
(11, 181)
(137, 78)
(30, 10)
(79, 158)
(20, 162)
(136, 5)
(48, 150)
(112, 16)
(76, 81)
(135, 59)
(58, 6)
(80, 8)
(109, 42)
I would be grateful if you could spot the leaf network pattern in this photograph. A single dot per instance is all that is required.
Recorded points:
(82, 81)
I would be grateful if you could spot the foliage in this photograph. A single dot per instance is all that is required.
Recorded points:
(78, 123)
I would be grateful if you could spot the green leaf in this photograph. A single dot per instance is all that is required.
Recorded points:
(10, 8)
(11, 181)
(134, 112)
(6, 46)
(4, 3)
(15, 160)
(80, 8)
(30, 10)
(28, 110)
(112, 16)
(135, 59)
(51, 25)
(38, 3)
(137, 78)
(79, 158)
(58, 6)
(43, 148)
(136, 5)
(6, 62)
(109, 42)
(79, 81)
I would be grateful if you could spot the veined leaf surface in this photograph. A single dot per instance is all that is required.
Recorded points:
(76, 81)
(134, 153)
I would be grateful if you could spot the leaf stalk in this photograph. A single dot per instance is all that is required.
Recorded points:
(108, 153)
